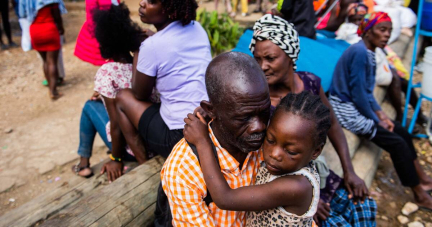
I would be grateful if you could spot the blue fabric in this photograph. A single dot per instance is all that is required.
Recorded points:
(94, 118)
(337, 44)
(313, 53)
(345, 213)
(29, 8)
(16, 7)
(327, 34)
(244, 42)
(354, 80)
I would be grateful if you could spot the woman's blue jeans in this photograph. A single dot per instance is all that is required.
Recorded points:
(94, 118)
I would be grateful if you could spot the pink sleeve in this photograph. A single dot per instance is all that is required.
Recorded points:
(104, 4)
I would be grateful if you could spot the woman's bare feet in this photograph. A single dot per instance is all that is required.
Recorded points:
(425, 180)
(427, 186)
(422, 198)
(55, 95)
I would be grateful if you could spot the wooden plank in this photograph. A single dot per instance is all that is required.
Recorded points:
(127, 207)
(51, 202)
(146, 218)
(118, 203)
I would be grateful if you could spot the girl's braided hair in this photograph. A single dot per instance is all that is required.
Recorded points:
(310, 107)
(181, 10)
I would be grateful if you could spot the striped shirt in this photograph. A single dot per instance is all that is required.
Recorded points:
(184, 185)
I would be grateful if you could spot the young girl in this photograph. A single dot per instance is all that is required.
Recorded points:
(287, 184)
(117, 36)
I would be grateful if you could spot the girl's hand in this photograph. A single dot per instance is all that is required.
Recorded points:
(195, 130)
(95, 96)
(113, 169)
(205, 118)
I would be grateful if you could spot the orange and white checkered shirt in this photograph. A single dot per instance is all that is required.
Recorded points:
(184, 185)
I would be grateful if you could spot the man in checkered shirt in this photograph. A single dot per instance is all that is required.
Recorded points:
(239, 105)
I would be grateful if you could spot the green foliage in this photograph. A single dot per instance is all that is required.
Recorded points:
(222, 31)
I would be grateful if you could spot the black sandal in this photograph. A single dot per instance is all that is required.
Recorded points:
(78, 169)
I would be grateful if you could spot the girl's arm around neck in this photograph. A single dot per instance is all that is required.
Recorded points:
(294, 193)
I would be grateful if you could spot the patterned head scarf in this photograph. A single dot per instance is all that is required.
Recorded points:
(280, 32)
(371, 20)
(357, 9)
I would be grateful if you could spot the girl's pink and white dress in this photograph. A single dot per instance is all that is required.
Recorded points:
(109, 80)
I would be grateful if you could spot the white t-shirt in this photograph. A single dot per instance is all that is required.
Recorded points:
(178, 57)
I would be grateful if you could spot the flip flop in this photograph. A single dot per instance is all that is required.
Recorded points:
(59, 82)
(76, 169)
(425, 209)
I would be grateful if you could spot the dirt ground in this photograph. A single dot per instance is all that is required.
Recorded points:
(39, 137)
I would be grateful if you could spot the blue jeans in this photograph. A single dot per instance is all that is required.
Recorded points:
(94, 118)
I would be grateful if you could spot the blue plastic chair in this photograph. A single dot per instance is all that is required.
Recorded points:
(419, 31)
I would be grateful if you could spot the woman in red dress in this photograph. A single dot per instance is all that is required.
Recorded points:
(45, 34)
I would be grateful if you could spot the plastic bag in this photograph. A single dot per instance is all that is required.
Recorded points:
(25, 38)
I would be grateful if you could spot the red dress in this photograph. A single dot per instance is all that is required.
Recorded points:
(44, 32)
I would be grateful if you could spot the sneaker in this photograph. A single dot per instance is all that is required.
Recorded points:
(419, 67)
(4, 47)
(245, 14)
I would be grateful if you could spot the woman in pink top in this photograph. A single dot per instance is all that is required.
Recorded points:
(87, 47)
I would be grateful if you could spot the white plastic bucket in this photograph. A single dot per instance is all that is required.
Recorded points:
(428, 54)
(427, 77)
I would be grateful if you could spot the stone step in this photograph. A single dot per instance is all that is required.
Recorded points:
(366, 161)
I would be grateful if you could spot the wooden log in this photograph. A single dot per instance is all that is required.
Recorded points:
(51, 202)
(127, 201)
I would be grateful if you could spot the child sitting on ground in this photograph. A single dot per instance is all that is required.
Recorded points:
(287, 184)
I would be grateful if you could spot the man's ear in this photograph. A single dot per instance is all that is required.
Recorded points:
(209, 108)
(317, 152)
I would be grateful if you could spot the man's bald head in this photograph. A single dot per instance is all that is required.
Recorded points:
(239, 102)
(232, 72)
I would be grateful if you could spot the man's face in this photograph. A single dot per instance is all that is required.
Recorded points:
(243, 115)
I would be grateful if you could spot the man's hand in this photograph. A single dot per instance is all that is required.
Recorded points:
(322, 213)
(356, 187)
(113, 169)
